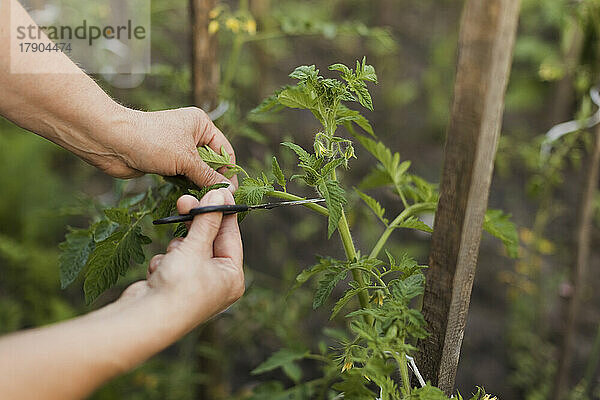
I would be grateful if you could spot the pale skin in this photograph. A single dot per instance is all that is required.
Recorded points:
(198, 277)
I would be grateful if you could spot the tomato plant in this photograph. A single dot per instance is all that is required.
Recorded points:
(383, 325)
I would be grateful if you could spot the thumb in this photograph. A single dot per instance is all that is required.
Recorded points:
(205, 227)
(200, 173)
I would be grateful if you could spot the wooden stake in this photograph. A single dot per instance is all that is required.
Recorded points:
(205, 64)
(487, 36)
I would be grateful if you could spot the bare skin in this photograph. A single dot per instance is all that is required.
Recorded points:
(198, 277)
(71, 110)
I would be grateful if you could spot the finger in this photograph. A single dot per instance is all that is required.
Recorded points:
(174, 243)
(184, 204)
(215, 139)
(154, 263)
(205, 227)
(199, 172)
(228, 243)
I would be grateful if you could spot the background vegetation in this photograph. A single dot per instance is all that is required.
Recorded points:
(518, 310)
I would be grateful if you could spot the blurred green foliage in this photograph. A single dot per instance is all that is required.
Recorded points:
(412, 43)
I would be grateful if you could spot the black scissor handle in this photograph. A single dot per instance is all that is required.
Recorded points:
(227, 209)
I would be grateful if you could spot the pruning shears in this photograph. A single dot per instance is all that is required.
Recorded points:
(229, 209)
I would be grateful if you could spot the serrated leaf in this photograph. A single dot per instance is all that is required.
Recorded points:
(373, 205)
(217, 161)
(180, 231)
(345, 115)
(302, 154)
(75, 251)
(329, 280)
(363, 95)
(119, 215)
(279, 359)
(271, 103)
(409, 288)
(305, 72)
(251, 192)
(278, 173)
(203, 191)
(297, 97)
(414, 223)
(111, 258)
(103, 229)
(334, 197)
(341, 68)
(323, 264)
(348, 295)
(498, 224)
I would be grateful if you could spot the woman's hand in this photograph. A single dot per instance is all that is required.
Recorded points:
(198, 277)
(201, 274)
(161, 142)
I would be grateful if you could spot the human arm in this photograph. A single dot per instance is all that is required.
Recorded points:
(198, 277)
(71, 110)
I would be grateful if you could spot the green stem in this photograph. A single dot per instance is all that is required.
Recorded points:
(350, 250)
(377, 278)
(404, 373)
(288, 196)
(415, 208)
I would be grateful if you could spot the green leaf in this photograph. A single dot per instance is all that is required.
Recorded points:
(389, 161)
(305, 72)
(498, 224)
(111, 258)
(278, 173)
(203, 191)
(334, 197)
(217, 161)
(119, 215)
(297, 97)
(414, 223)
(340, 67)
(345, 115)
(293, 371)
(103, 229)
(348, 295)
(328, 281)
(271, 103)
(251, 191)
(409, 288)
(300, 152)
(279, 359)
(75, 250)
(363, 95)
(374, 206)
(365, 72)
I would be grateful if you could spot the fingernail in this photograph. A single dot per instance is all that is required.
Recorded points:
(216, 197)
(229, 187)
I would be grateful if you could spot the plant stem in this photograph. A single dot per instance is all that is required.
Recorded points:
(404, 372)
(346, 236)
(288, 196)
(415, 208)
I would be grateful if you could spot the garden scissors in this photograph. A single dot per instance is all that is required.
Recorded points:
(229, 209)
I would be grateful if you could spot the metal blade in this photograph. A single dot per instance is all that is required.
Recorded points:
(285, 203)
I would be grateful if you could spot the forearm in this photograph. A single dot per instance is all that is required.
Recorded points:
(68, 108)
(69, 360)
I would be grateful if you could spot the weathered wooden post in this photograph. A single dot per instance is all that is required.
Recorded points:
(487, 36)
(205, 64)
(205, 84)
